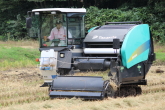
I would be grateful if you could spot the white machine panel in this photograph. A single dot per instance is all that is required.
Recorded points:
(48, 64)
(101, 51)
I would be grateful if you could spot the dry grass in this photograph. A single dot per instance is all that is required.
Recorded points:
(153, 101)
(21, 43)
(159, 48)
(21, 87)
(20, 91)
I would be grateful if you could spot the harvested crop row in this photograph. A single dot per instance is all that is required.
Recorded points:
(24, 88)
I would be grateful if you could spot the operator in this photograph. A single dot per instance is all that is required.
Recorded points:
(59, 32)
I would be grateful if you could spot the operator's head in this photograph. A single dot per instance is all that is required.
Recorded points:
(58, 24)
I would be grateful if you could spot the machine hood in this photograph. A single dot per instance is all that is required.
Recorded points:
(107, 33)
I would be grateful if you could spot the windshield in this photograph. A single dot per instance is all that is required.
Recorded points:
(58, 29)
(76, 28)
(53, 30)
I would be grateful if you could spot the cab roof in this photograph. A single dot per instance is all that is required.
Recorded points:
(67, 10)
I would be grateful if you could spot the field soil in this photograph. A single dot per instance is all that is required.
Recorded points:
(19, 90)
(23, 73)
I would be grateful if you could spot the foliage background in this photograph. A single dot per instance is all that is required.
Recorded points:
(152, 12)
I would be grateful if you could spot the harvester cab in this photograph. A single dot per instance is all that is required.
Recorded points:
(124, 49)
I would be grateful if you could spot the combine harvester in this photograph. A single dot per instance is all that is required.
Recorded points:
(123, 48)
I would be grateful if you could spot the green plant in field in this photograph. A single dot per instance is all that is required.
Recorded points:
(160, 56)
(16, 57)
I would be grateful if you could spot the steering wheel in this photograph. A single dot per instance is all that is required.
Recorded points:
(56, 42)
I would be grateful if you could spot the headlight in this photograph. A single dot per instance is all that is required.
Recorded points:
(62, 55)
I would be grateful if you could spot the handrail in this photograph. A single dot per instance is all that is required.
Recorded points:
(129, 22)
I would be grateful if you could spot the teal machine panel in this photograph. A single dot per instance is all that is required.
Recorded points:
(92, 28)
(136, 45)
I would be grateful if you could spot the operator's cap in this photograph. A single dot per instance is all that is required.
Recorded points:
(58, 22)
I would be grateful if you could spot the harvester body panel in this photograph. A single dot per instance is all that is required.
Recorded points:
(136, 45)
(107, 33)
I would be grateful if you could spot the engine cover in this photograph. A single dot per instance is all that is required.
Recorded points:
(92, 64)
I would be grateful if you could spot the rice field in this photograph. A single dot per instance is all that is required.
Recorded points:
(19, 90)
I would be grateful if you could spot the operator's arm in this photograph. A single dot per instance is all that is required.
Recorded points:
(51, 37)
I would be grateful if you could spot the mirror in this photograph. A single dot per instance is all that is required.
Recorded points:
(28, 22)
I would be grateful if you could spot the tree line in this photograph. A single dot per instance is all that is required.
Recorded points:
(152, 12)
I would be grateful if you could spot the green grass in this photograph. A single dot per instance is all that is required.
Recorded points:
(160, 56)
(13, 55)
(17, 57)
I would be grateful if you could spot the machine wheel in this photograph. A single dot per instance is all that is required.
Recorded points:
(132, 91)
(122, 92)
(129, 91)
(138, 91)
(111, 92)
(108, 92)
